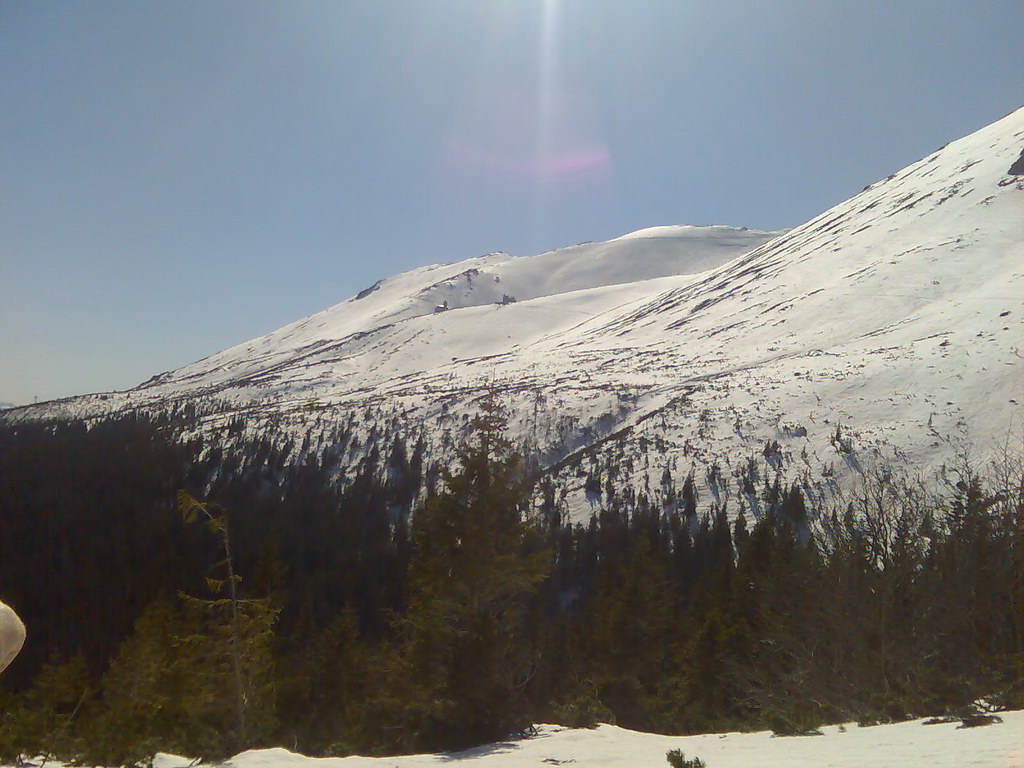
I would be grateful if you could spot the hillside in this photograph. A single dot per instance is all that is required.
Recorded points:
(889, 326)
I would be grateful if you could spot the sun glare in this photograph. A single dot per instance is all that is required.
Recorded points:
(529, 130)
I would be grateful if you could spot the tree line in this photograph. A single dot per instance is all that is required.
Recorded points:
(184, 599)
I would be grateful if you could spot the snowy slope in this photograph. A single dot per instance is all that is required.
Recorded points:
(478, 282)
(896, 316)
(906, 745)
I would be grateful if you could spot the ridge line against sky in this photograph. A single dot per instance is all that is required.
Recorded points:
(176, 178)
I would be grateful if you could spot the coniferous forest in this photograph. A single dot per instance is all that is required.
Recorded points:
(182, 598)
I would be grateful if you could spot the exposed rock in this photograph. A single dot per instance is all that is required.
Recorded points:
(1017, 169)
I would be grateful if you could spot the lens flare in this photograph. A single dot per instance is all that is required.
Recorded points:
(528, 140)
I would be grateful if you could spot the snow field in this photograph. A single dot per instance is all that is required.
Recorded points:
(899, 745)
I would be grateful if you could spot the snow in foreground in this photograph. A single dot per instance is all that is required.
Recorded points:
(899, 745)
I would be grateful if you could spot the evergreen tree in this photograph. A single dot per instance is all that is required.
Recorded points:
(234, 640)
(462, 665)
(630, 635)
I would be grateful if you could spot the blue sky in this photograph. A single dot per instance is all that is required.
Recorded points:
(177, 177)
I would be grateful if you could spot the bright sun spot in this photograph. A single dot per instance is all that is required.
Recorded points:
(538, 130)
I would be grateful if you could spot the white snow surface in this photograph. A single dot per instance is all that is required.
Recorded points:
(901, 745)
(600, 276)
(898, 314)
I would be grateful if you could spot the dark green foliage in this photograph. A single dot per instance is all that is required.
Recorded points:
(979, 721)
(42, 720)
(87, 510)
(146, 690)
(677, 759)
(361, 628)
(172, 685)
(585, 711)
(240, 628)
(462, 662)
(330, 676)
(631, 609)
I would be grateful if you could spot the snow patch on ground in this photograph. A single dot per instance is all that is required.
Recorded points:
(900, 745)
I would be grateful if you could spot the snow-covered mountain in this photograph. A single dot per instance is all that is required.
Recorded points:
(888, 326)
(398, 326)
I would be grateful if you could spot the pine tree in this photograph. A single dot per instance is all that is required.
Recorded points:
(150, 696)
(235, 638)
(630, 634)
(462, 663)
(42, 720)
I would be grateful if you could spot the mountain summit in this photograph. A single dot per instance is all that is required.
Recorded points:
(890, 325)
(395, 326)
